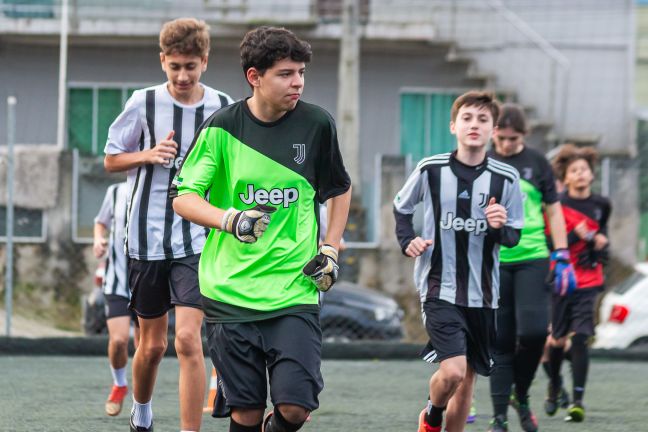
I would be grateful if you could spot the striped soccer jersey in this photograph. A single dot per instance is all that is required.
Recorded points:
(154, 230)
(112, 215)
(462, 267)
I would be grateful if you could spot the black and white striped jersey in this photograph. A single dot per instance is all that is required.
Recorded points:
(112, 215)
(462, 267)
(154, 230)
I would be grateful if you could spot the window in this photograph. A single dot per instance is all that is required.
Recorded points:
(91, 110)
(28, 226)
(424, 120)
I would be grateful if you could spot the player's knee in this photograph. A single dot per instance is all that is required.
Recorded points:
(188, 344)
(293, 413)
(119, 341)
(153, 351)
(453, 375)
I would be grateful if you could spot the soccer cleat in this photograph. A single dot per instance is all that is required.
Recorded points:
(472, 414)
(115, 400)
(575, 412)
(134, 428)
(498, 424)
(423, 426)
(528, 420)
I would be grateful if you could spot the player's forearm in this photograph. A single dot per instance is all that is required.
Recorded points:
(125, 161)
(404, 229)
(195, 209)
(99, 231)
(337, 214)
(557, 225)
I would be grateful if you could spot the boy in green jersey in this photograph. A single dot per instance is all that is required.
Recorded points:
(266, 163)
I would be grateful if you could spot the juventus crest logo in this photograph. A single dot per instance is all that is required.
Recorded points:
(483, 199)
(301, 153)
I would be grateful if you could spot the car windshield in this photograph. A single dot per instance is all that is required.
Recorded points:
(629, 282)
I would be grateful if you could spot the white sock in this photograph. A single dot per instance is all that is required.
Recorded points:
(142, 414)
(119, 376)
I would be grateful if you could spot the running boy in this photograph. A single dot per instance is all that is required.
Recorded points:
(266, 162)
(149, 139)
(111, 220)
(586, 217)
(523, 314)
(472, 204)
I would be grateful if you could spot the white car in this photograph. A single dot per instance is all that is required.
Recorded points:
(623, 315)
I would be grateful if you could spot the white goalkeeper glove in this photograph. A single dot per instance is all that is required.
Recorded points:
(323, 268)
(247, 225)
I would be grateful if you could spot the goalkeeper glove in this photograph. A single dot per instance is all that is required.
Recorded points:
(323, 268)
(247, 225)
(561, 273)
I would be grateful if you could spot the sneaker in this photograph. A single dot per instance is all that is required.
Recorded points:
(563, 398)
(551, 402)
(424, 427)
(116, 399)
(472, 414)
(134, 428)
(498, 424)
(575, 412)
(528, 420)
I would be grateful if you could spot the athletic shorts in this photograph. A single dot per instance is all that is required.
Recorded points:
(117, 306)
(574, 312)
(457, 331)
(157, 286)
(288, 347)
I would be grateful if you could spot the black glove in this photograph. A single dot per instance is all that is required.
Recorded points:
(247, 225)
(323, 268)
(590, 258)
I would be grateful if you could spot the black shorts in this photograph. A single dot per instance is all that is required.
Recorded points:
(458, 330)
(574, 312)
(157, 286)
(289, 347)
(117, 306)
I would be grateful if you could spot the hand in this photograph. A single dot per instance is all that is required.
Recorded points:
(248, 225)
(99, 247)
(600, 242)
(561, 273)
(495, 214)
(417, 247)
(163, 151)
(590, 258)
(323, 268)
(582, 232)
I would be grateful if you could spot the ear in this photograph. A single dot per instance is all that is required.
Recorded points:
(253, 76)
(453, 130)
(162, 58)
(203, 62)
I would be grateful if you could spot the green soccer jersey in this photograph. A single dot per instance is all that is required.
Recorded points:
(292, 164)
(538, 187)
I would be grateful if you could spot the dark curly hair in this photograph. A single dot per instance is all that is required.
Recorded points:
(262, 47)
(570, 153)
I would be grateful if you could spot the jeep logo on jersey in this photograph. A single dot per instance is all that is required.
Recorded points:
(477, 226)
(175, 162)
(274, 196)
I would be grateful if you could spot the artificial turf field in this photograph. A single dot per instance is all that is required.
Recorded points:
(54, 393)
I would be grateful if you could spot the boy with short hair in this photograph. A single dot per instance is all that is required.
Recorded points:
(586, 217)
(111, 221)
(149, 139)
(472, 204)
(266, 162)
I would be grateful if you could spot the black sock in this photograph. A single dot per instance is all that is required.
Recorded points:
(501, 381)
(580, 364)
(555, 361)
(278, 423)
(235, 427)
(434, 415)
(525, 365)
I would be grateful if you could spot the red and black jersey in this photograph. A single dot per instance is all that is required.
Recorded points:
(595, 212)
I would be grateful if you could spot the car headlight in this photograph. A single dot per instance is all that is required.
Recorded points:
(383, 313)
